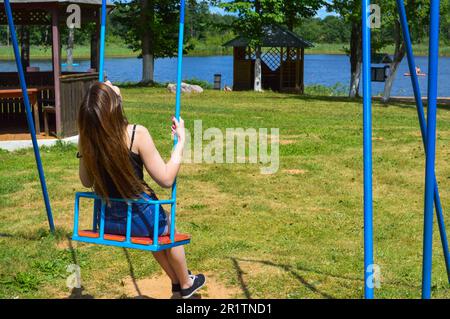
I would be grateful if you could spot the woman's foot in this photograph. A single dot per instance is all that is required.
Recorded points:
(198, 281)
(176, 288)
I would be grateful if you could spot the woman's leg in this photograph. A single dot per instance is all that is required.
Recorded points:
(173, 261)
(177, 260)
(163, 261)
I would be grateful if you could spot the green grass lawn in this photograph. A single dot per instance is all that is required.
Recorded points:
(294, 234)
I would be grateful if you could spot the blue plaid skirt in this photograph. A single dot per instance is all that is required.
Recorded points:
(143, 218)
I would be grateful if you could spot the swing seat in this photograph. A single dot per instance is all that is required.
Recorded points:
(162, 240)
(152, 243)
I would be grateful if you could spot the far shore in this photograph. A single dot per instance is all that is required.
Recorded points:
(114, 50)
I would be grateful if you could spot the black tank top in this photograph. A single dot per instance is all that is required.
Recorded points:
(138, 166)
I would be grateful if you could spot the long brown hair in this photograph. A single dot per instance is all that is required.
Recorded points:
(103, 142)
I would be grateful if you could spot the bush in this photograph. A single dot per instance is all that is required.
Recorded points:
(131, 84)
(338, 89)
(204, 84)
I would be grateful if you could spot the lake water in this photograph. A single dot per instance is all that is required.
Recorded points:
(319, 69)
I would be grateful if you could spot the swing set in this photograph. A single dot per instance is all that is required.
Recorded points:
(427, 127)
(428, 131)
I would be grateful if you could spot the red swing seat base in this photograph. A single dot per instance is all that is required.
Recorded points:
(162, 240)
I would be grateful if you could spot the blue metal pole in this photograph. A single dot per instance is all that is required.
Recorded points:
(431, 149)
(101, 75)
(178, 106)
(76, 215)
(423, 127)
(156, 225)
(129, 221)
(180, 60)
(31, 127)
(102, 221)
(367, 136)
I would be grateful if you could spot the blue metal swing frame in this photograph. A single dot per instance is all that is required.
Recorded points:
(30, 122)
(428, 131)
(127, 243)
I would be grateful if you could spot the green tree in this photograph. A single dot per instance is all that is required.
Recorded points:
(445, 21)
(331, 29)
(153, 34)
(296, 10)
(335, 30)
(390, 33)
(197, 18)
(350, 11)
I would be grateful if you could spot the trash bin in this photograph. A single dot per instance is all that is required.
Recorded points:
(217, 81)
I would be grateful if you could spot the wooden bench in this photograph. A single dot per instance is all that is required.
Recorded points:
(46, 111)
(33, 97)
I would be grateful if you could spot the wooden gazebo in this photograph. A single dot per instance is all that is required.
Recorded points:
(283, 53)
(55, 95)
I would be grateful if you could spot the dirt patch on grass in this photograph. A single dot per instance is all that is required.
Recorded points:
(287, 142)
(159, 287)
(254, 268)
(295, 171)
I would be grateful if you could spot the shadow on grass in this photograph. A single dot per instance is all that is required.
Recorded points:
(285, 268)
(132, 275)
(291, 270)
(73, 253)
(240, 277)
(76, 293)
(79, 293)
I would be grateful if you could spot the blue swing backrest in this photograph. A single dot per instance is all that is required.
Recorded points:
(98, 236)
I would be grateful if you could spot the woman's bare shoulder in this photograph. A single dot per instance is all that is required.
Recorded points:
(142, 132)
(141, 129)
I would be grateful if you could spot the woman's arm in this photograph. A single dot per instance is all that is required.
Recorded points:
(164, 174)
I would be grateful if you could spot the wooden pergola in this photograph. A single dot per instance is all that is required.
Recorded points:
(58, 93)
(283, 54)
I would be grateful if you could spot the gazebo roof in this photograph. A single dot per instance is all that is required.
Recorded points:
(274, 36)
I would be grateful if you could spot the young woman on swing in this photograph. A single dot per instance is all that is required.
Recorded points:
(113, 154)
